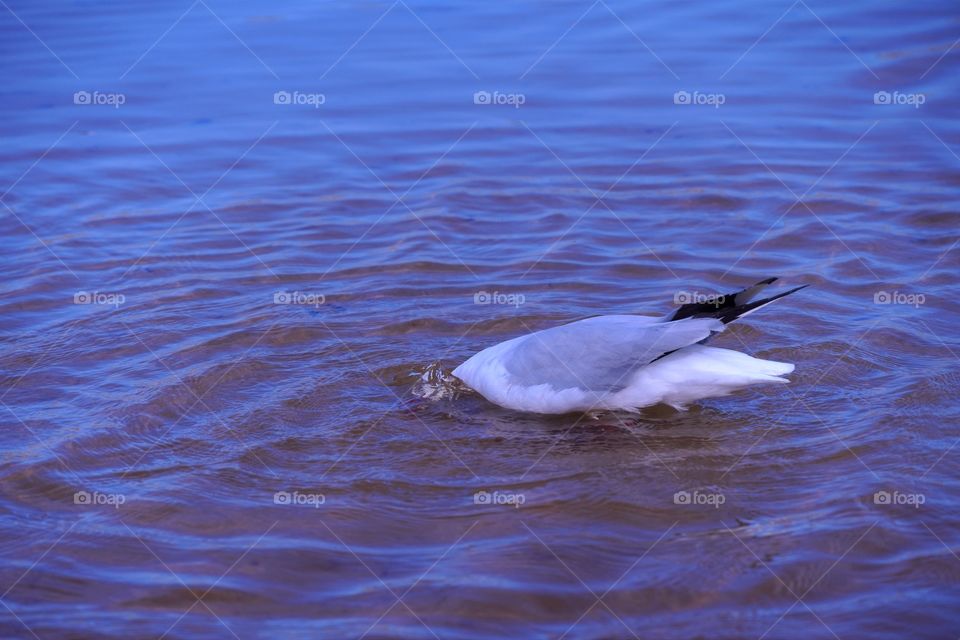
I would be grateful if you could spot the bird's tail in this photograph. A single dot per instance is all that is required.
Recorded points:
(731, 306)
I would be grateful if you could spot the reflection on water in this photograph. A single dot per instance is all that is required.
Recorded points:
(238, 236)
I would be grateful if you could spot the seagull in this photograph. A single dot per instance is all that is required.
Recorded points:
(624, 362)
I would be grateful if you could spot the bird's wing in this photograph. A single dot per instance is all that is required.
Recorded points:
(598, 354)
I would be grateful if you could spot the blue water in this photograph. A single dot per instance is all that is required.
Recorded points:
(174, 175)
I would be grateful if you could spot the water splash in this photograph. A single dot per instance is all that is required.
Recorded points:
(437, 383)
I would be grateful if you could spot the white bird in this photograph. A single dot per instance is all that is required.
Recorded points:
(624, 362)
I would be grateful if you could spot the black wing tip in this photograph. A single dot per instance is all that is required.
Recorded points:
(729, 315)
(729, 307)
(788, 292)
(718, 305)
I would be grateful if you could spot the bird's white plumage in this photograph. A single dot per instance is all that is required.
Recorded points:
(613, 362)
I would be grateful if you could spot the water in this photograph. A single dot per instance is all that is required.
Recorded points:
(184, 407)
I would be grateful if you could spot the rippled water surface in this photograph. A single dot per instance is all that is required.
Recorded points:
(236, 235)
